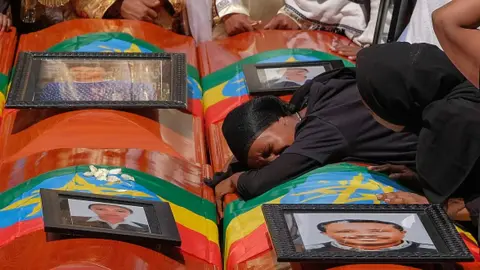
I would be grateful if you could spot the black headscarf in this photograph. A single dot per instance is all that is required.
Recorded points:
(398, 80)
(417, 86)
(246, 122)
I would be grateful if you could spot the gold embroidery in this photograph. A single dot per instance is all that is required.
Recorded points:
(94, 9)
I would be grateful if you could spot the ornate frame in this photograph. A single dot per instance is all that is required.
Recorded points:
(450, 247)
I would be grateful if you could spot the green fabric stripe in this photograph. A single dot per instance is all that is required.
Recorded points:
(165, 189)
(3, 84)
(75, 43)
(238, 207)
(224, 74)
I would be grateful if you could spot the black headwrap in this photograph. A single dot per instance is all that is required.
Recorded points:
(246, 122)
(398, 80)
(417, 85)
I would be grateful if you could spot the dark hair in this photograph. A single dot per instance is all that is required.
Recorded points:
(322, 226)
(246, 122)
(129, 210)
(302, 68)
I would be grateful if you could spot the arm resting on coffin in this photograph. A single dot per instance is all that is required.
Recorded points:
(455, 26)
(286, 167)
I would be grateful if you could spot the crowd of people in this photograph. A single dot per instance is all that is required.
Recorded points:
(215, 19)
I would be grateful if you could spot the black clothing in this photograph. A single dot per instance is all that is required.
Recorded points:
(83, 221)
(446, 110)
(399, 89)
(413, 247)
(337, 127)
(4, 4)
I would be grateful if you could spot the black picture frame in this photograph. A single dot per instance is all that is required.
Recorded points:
(25, 92)
(449, 247)
(401, 11)
(162, 228)
(257, 87)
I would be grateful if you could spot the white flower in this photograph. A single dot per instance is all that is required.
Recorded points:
(102, 174)
(115, 171)
(127, 177)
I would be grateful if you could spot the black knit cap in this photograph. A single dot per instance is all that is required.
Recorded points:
(246, 122)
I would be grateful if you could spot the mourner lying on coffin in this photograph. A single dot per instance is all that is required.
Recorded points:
(325, 123)
(416, 88)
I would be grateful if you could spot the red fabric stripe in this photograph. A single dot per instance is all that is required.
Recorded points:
(218, 111)
(191, 240)
(250, 246)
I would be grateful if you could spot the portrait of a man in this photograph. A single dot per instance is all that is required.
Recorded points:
(367, 235)
(337, 232)
(108, 216)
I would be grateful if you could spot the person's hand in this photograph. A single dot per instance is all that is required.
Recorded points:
(140, 10)
(227, 186)
(402, 197)
(5, 23)
(396, 172)
(349, 51)
(282, 22)
(238, 23)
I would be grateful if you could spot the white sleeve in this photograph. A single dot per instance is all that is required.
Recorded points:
(199, 23)
(366, 38)
(225, 7)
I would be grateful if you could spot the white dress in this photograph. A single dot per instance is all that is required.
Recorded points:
(420, 28)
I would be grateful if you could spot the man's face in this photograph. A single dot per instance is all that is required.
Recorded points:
(296, 74)
(370, 235)
(110, 212)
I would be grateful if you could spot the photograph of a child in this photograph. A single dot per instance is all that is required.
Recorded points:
(102, 80)
(106, 215)
(288, 76)
(360, 232)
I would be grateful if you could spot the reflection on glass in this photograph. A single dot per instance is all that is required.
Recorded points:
(336, 232)
(288, 76)
(103, 80)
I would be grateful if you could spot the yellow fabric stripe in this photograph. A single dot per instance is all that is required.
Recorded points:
(2, 103)
(195, 222)
(243, 225)
(213, 95)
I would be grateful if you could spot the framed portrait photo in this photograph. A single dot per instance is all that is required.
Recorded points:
(363, 234)
(284, 78)
(75, 80)
(97, 216)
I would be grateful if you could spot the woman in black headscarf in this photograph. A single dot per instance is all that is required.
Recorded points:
(415, 87)
(277, 141)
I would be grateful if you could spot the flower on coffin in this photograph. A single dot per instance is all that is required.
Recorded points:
(111, 175)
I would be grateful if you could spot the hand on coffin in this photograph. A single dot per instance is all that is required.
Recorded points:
(396, 172)
(5, 23)
(227, 186)
(237, 23)
(402, 197)
(140, 10)
(349, 51)
(282, 22)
